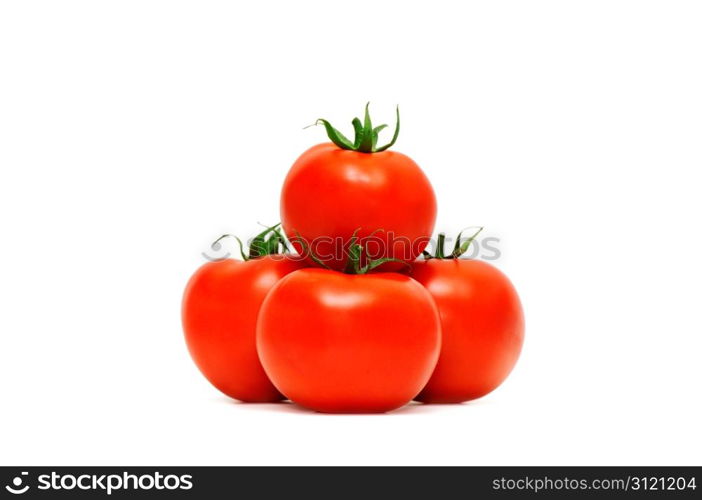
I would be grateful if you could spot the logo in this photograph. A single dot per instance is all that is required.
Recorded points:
(16, 488)
(108, 483)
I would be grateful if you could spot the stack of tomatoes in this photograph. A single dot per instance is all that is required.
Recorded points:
(360, 318)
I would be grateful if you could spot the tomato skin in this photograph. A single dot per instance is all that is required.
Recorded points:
(219, 311)
(330, 193)
(340, 343)
(482, 328)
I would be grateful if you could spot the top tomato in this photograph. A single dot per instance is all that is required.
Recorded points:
(335, 189)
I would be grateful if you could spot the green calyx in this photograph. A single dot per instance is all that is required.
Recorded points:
(366, 136)
(356, 250)
(355, 257)
(459, 248)
(269, 242)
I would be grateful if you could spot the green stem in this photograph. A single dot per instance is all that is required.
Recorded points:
(459, 248)
(353, 263)
(268, 242)
(366, 136)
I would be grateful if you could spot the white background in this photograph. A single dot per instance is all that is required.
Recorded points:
(133, 133)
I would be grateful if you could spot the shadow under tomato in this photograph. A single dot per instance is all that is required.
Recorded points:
(287, 406)
(474, 402)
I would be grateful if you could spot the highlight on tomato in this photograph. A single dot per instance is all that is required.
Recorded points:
(219, 310)
(335, 188)
(482, 324)
(349, 342)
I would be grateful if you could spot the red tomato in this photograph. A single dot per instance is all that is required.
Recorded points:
(482, 328)
(220, 307)
(342, 343)
(334, 189)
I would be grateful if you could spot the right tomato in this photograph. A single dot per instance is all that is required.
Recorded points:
(482, 326)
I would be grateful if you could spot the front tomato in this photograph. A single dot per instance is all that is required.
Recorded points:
(342, 343)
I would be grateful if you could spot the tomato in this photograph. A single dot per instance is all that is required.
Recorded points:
(343, 343)
(219, 310)
(335, 189)
(482, 328)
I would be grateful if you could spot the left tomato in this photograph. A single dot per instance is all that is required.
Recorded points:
(219, 310)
